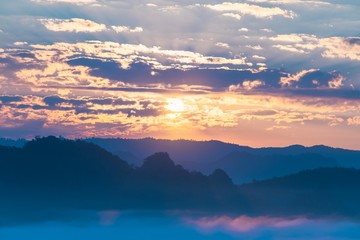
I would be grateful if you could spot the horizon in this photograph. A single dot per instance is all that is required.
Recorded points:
(181, 139)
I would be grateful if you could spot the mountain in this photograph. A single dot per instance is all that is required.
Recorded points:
(245, 167)
(190, 154)
(312, 193)
(52, 172)
(242, 163)
(58, 174)
(12, 143)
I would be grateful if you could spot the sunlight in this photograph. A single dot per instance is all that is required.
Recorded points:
(175, 105)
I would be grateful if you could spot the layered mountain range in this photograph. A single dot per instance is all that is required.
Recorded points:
(55, 173)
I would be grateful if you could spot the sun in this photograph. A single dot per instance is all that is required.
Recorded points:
(175, 105)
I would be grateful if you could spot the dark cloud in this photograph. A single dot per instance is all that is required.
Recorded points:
(9, 65)
(140, 73)
(353, 40)
(53, 100)
(105, 101)
(332, 93)
(142, 112)
(21, 106)
(24, 55)
(147, 108)
(123, 102)
(9, 99)
(130, 112)
(315, 79)
(264, 113)
(29, 128)
(313, 82)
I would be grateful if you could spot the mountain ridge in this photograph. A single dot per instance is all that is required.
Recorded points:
(57, 173)
(206, 156)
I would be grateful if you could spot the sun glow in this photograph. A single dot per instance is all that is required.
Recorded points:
(175, 105)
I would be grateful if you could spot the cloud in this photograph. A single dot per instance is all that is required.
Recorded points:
(336, 82)
(151, 5)
(244, 223)
(289, 48)
(284, 2)
(76, 2)
(129, 67)
(72, 25)
(336, 47)
(243, 29)
(247, 85)
(256, 47)
(287, 81)
(20, 43)
(140, 73)
(313, 78)
(72, 115)
(292, 38)
(253, 10)
(120, 29)
(259, 57)
(133, 114)
(125, 54)
(109, 217)
(25, 129)
(331, 47)
(223, 45)
(9, 99)
(226, 98)
(277, 127)
(232, 15)
(354, 121)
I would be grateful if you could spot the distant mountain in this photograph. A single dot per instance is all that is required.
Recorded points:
(313, 193)
(245, 167)
(191, 154)
(12, 143)
(242, 163)
(346, 158)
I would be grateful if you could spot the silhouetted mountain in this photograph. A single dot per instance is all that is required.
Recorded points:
(158, 162)
(244, 167)
(12, 143)
(191, 154)
(220, 177)
(243, 164)
(319, 192)
(345, 158)
(53, 173)
(59, 172)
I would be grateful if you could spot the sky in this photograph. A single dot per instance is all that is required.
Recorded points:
(251, 72)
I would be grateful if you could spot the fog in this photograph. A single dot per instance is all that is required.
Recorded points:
(115, 224)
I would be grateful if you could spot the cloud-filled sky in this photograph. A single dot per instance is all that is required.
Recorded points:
(252, 72)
